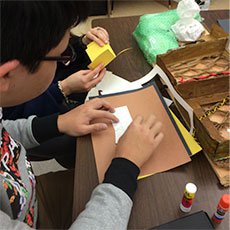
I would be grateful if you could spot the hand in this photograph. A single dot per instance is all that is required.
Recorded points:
(83, 80)
(7, 67)
(97, 34)
(78, 121)
(140, 140)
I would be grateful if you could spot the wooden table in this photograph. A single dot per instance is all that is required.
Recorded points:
(158, 197)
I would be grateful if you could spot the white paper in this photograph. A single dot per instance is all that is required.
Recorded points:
(148, 77)
(123, 114)
(111, 83)
(168, 101)
(182, 102)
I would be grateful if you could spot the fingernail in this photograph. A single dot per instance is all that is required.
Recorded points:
(95, 76)
(104, 126)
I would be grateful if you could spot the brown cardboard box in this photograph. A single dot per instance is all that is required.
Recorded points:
(202, 92)
(208, 135)
(197, 53)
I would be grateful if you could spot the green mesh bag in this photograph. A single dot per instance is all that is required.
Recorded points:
(154, 36)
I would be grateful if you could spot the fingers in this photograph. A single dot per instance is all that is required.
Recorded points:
(152, 125)
(150, 121)
(104, 31)
(84, 72)
(156, 129)
(138, 120)
(99, 35)
(91, 80)
(96, 127)
(99, 77)
(92, 73)
(104, 114)
(158, 139)
(101, 104)
(103, 35)
(95, 38)
(7, 67)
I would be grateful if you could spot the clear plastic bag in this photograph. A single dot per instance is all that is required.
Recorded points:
(203, 4)
(187, 9)
(154, 36)
(187, 29)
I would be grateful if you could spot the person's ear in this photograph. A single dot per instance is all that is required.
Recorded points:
(5, 69)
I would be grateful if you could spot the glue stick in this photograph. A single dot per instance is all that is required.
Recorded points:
(189, 194)
(222, 208)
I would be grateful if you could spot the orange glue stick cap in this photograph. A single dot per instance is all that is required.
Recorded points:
(225, 201)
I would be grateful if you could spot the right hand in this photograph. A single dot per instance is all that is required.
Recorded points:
(98, 35)
(140, 140)
(81, 120)
(83, 80)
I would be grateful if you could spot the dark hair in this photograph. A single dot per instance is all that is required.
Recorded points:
(30, 29)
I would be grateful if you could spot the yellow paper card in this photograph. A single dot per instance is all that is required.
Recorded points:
(190, 141)
(98, 54)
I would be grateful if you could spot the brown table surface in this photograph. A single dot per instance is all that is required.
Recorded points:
(158, 197)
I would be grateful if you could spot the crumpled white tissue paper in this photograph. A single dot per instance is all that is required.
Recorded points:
(187, 29)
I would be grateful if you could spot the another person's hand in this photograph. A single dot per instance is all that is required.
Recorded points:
(97, 34)
(81, 120)
(7, 67)
(140, 140)
(83, 80)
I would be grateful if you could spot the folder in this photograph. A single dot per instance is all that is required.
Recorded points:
(172, 151)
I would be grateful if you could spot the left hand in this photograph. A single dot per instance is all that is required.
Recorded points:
(80, 120)
(83, 80)
(97, 34)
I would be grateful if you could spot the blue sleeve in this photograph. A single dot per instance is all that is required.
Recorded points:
(56, 93)
(43, 105)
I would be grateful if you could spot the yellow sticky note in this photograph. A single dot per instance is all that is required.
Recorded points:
(190, 141)
(144, 176)
(98, 54)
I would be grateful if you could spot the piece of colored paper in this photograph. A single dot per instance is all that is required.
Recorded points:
(191, 142)
(171, 153)
(99, 54)
(111, 83)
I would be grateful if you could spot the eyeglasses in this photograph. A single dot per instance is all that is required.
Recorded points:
(66, 57)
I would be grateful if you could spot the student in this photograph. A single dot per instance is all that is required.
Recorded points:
(69, 88)
(71, 83)
(24, 74)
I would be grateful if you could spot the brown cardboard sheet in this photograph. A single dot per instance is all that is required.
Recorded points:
(223, 174)
(172, 151)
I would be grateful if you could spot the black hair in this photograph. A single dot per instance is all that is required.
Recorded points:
(30, 29)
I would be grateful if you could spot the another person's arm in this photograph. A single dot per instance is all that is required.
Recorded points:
(76, 122)
(111, 202)
(84, 80)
